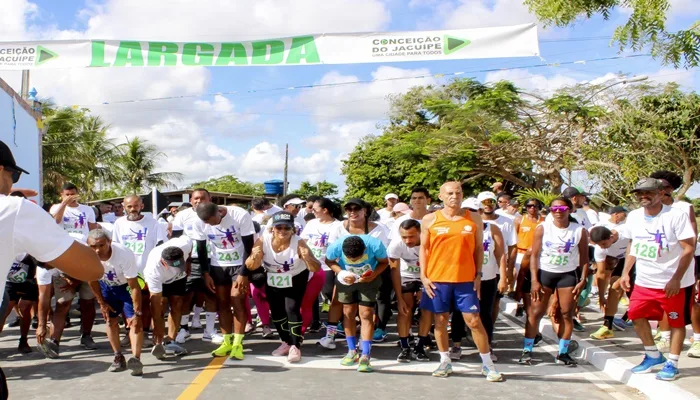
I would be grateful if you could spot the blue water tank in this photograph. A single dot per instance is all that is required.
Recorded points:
(274, 186)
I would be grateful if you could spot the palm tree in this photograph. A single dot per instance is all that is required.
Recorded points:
(137, 163)
(99, 155)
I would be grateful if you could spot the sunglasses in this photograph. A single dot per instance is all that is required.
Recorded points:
(15, 173)
(559, 209)
(487, 201)
(353, 209)
(282, 227)
(530, 205)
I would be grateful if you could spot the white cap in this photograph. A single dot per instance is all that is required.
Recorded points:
(472, 203)
(391, 196)
(295, 201)
(485, 196)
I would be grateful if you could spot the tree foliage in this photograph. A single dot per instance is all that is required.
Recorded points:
(138, 161)
(323, 189)
(646, 26)
(230, 184)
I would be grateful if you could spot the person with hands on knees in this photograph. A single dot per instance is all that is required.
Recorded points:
(358, 261)
(166, 271)
(119, 292)
(287, 261)
(560, 247)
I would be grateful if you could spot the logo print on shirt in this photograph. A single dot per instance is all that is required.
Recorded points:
(657, 238)
(281, 267)
(487, 244)
(564, 247)
(441, 231)
(224, 239)
(138, 235)
(111, 276)
(322, 241)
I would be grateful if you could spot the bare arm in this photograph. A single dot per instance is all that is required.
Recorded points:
(254, 261)
(427, 222)
(305, 254)
(535, 254)
(498, 250)
(478, 240)
(79, 262)
(395, 265)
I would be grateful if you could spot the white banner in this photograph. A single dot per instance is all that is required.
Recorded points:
(351, 48)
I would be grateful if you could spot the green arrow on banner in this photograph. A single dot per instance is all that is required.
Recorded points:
(453, 44)
(44, 55)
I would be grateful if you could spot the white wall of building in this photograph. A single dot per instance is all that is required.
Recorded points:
(22, 135)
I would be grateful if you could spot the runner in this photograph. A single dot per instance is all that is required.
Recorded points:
(451, 256)
(113, 297)
(385, 213)
(165, 274)
(76, 219)
(610, 261)
(229, 232)
(287, 261)
(420, 198)
(503, 201)
(558, 249)
(662, 247)
(399, 210)
(308, 207)
(292, 204)
(519, 260)
(590, 212)
(405, 276)
(21, 290)
(358, 261)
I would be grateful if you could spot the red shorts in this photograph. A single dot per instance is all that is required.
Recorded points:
(652, 304)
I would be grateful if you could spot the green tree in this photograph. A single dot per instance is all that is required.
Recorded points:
(646, 26)
(138, 161)
(231, 184)
(323, 189)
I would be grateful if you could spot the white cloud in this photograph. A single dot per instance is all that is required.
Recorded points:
(14, 19)
(530, 82)
(683, 77)
(266, 161)
(341, 137)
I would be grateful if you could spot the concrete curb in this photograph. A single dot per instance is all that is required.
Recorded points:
(615, 367)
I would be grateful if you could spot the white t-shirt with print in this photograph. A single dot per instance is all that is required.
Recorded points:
(120, 266)
(139, 236)
(408, 259)
(384, 215)
(224, 240)
(156, 274)
(617, 249)
(378, 232)
(316, 235)
(75, 220)
(505, 224)
(26, 228)
(656, 245)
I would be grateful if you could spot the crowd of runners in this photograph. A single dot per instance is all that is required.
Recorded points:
(443, 262)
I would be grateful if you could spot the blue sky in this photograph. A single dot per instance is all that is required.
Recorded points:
(244, 133)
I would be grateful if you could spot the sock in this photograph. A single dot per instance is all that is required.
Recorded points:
(352, 343)
(238, 339)
(331, 330)
(404, 342)
(696, 337)
(529, 344)
(184, 320)
(666, 335)
(445, 357)
(211, 321)
(197, 311)
(625, 317)
(608, 320)
(488, 361)
(673, 358)
(366, 346)
(652, 352)
(564, 346)
(422, 341)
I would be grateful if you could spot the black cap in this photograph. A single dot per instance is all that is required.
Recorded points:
(648, 184)
(618, 209)
(571, 192)
(282, 218)
(7, 159)
(355, 201)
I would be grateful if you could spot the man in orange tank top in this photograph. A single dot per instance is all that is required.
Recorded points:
(451, 257)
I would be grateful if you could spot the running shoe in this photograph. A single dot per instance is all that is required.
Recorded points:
(51, 347)
(379, 335)
(573, 346)
(668, 373)
(525, 358)
(538, 339)
(602, 333)
(629, 323)
(175, 348)
(315, 327)
(87, 342)
(405, 356)
(294, 355)
(224, 349)
(267, 332)
(657, 335)
(350, 359)
(214, 337)
(126, 340)
(183, 335)
(578, 327)
(249, 328)
(491, 374)
(23, 346)
(147, 339)
(648, 364)
(340, 333)
(237, 352)
(443, 370)
(325, 307)
(196, 324)
(567, 360)
(35, 322)
(135, 365)
(421, 355)
(664, 345)
(619, 324)
(327, 343)
(14, 323)
(364, 365)
(118, 365)
(158, 351)
(694, 350)
(519, 311)
(282, 350)
(455, 353)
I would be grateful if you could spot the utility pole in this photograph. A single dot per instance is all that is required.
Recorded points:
(286, 167)
(24, 90)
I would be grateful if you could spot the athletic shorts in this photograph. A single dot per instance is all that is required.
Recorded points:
(557, 280)
(499, 295)
(67, 296)
(177, 288)
(651, 304)
(22, 291)
(195, 285)
(411, 286)
(526, 283)
(225, 276)
(462, 295)
(619, 267)
(119, 299)
(364, 294)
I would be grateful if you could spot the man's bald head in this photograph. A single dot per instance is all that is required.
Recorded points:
(451, 194)
(133, 206)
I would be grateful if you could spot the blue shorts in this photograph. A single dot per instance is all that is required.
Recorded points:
(119, 299)
(460, 295)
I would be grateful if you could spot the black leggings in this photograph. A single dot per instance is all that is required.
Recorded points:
(285, 308)
(489, 289)
(383, 307)
(328, 286)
